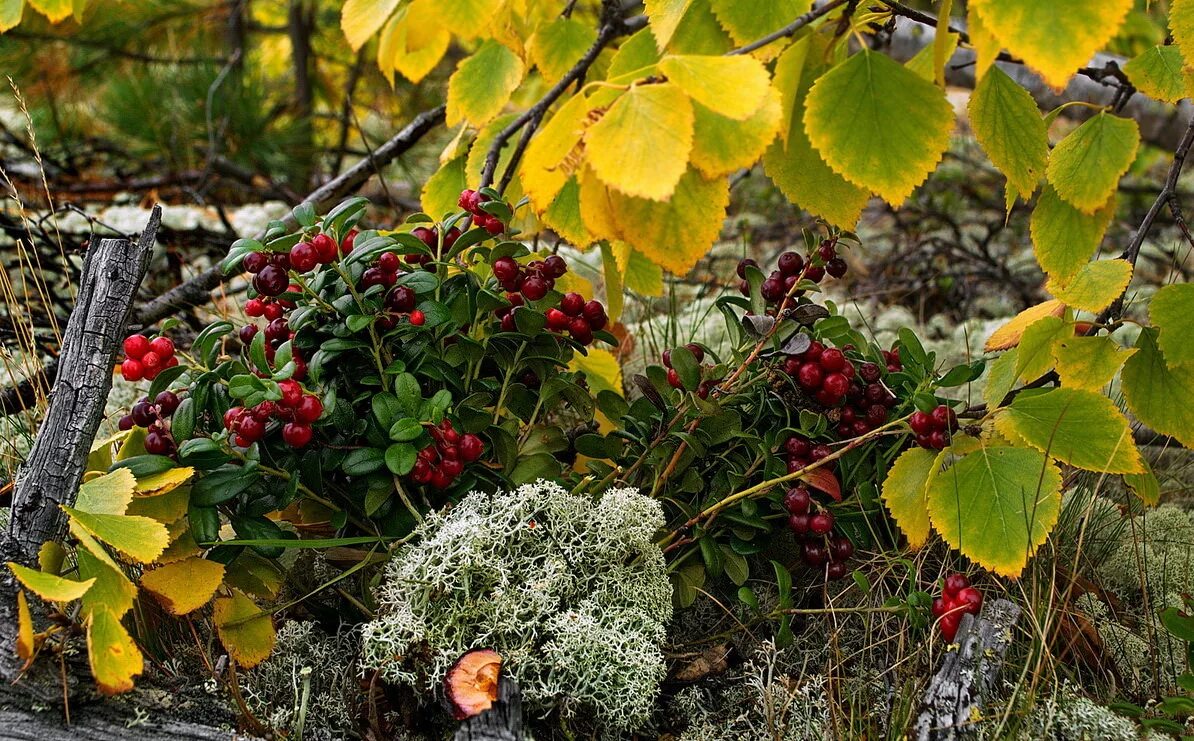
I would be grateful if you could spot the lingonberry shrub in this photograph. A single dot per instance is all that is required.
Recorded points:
(377, 374)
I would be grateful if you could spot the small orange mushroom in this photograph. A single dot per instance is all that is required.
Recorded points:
(471, 684)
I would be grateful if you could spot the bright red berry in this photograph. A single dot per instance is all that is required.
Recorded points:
(835, 384)
(572, 304)
(274, 311)
(810, 376)
(832, 359)
(470, 200)
(254, 307)
(310, 408)
(136, 345)
(231, 416)
(132, 369)
(303, 257)
(955, 583)
(296, 435)
(505, 269)
(471, 447)
(970, 599)
(325, 248)
(949, 625)
(348, 241)
(418, 318)
(922, 423)
(292, 393)
(945, 418)
(673, 378)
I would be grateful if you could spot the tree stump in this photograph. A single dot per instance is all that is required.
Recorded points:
(501, 722)
(967, 673)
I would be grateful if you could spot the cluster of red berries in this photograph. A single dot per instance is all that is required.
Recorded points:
(441, 462)
(819, 547)
(802, 453)
(145, 358)
(277, 332)
(270, 308)
(532, 282)
(673, 377)
(934, 429)
(957, 599)
(321, 249)
(153, 416)
(472, 201)
(894, 363)
(271, 272)
(296, 410)
(825, 373)
(868, 403)
(430, 237)
(791, 267)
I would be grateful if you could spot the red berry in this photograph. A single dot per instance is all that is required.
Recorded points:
(666, 357)
(274, 311)
(797, 500)
(745, 263)
(790, 264)
(249, 427)
(143, 413)
(292, 393)
(814, 553)
(836, 570)
(810, 376)
(835, 384)
(349, 240)
(136, 345)
(876, 414)
(534, 289)
(922, 423)
(939, 439)
(955, 583)
(303, 257)
(821, 523)
(798, 523)
(271, 281)
(310, 408)
(126, 423)
(450, 237)
(254, 307)
(826, 251)
(492, 224)
(772, 290)
(132, 370)
(836, 267)
(970, 599)
(945, 418)
(167, 402)
(870, 372)
(580, 330)
(594, 312)
(697, 351)
(373, 276)
(255, 261)
(557, 320)
(388, 262)
(505, 269)
(471, 447)
(939, 607)
(231, 416)
(470, 200)
(832, 359)
(421, 473)
(820, 452)
(798, 447)
(508, 324)
(429, 237)
(296, 435)
(840, 549)
(158, 443)
(554, 266)
(572, 304)
(152, 362)
(323, 246)
(418, 318)
(401, 299)
(949, 625)
(673, 378)
(451, 467)
(815, 274)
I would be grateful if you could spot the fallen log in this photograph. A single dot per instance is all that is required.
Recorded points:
(967, 673)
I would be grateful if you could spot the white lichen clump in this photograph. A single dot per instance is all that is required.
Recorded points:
(1071, 717)
(573, 594)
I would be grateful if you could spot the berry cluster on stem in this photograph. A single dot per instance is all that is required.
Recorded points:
(145, 358)
(934, 429)
(440, 463)
(292, 415)
(820, 546)
(153, 416)
(957, 598)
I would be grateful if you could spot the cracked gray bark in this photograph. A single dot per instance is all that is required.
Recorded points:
(50, 477)
(966, 673)
(501, 722)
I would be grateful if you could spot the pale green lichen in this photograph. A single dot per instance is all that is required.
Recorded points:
(1067, 716)
(311, 676)
(572, 593)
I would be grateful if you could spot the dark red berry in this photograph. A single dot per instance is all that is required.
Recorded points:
(821, 523)
(790, 264)
(939, 439)
(572, 304)
(310, 408)
(401, 299)
(126, 423)
(673, 378)
(835, 384)
(158, 443)
(836, 570)
(271, 281)
(429, 237)
(814, 553)
(388, 262)
(813, 353)
(826, 251)
(832, 359)
(841, 548)
(505, 269)
(772, 290)
(167, 402)
(255, 261)
(798, 447)
(815, 274)
(836, 267)
(797, 500)
(821, 452)
(471, 447)
(945, 418)
(810, 376)
(303, 257)
(870, 372)
(697, 351)
(143, 414)
(534, 289)
(554, 266)
(798, 523)
(745, 263)
(325, 248)
(922, 423)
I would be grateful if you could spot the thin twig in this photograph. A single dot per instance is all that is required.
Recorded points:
(789, 29)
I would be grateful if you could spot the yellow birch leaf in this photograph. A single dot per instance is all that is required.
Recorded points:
(1089, 362)
(163, 482)
(1082, 428)
(600, 368)
(557, 46)
(50, 587)
(1009, 334)
(482, 84)
(640, 146)
(184, 586)
(139, 538)
(1095, 286)
(55, 10)
(1156, 390)
(904, 493)
(115, 658)
(246, 631)
(546, 165)
(26, 646)
(734, 87)
(468, 18)
(1010, 129)
(360, 19)
(678, 233)
(596, 207)
(1064, 238)
(665, 17)
(10, 14)
(1158, 73)
(109, 494)
(1035, 351)
(986, 47)
(1085, 166)
(722, 146)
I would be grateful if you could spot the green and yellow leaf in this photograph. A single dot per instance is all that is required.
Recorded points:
(442, 189)
(1145, 485)
(1172, 312)
(1010, 129)
(1155, 390)
(640, 146)
(468, 18)
(558, 45)
(112, 590)
(750, 20)
(1054, 38)
(734, 87)
(139, 538)
(163, 482)
(50, 587)
(246, 631)
(879, 125)
(997, 506)
(601, 368)
(413, 42)
(109, 494)
(115, 658)
(904, 493)
(10, 14)
(1001, 378)
(1085, 167)
(360, 19)
(26, 644)
(678, 233)
(184, 586)
(1089, 363)
(1009, 334)
(986, 46)
(1095, 286)
(1064, 238)
(665, 17)
(55, 10)
(1035, 352)
(1081, 428)
(547, 163)
(722, 146)
(482, 84)
(1158, 73)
